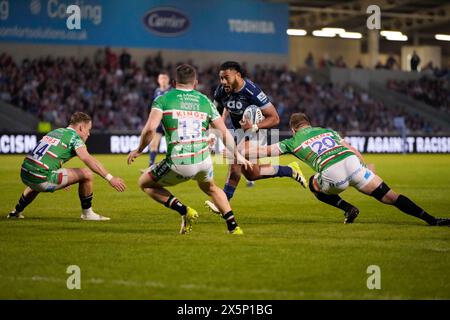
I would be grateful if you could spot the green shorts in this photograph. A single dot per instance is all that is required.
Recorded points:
(49, 182)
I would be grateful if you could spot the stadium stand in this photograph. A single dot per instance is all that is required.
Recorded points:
(432, 91)
(116, 92)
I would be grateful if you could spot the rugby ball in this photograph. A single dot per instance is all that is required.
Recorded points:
(253, 114)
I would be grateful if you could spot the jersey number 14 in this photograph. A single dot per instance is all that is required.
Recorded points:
(40, 150)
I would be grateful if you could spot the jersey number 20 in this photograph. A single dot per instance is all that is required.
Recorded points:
(323, 145)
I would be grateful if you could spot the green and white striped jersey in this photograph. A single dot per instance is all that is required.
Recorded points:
(186, 117)
(317, 147)
(54, 149)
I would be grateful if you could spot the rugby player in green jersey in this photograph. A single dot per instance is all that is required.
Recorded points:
(42, 169)
(338, 166)
(186, 115)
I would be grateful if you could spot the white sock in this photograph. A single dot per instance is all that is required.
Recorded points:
(88, 211)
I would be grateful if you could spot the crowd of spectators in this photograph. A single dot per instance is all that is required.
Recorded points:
(339, 62)
(432, 91)
(326, 62)
(116, 91)
(343, 108)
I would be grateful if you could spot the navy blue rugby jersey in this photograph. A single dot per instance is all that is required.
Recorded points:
(237, 102)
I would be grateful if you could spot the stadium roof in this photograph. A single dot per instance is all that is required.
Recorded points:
(415, 18)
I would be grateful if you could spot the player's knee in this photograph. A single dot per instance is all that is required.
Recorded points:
(143, 182)
(209, 188)
(88, 174)
(380, 192)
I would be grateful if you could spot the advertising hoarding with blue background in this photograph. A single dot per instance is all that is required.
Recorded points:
(211, 25)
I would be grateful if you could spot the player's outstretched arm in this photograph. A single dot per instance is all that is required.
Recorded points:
(147, 133)
(229, 143)
(256, 152)
(95, 165)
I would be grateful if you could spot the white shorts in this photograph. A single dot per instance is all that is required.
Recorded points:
(348, 172)
(166, 174)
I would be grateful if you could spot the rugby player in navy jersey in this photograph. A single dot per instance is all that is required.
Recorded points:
(234, 94)
(164, 86)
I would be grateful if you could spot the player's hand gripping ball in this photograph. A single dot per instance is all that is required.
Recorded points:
(253, 114)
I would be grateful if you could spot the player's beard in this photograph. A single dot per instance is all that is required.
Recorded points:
(234, 86)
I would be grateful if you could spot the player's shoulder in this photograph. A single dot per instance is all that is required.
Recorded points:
(204, 99)
(219, 92)
(312, 128)
(56, 132)
(160, 92)
(254, 93)
(250, 87)
(202, 95)
(67, 132)
(67, 135)
(70, 132)
(328, 130)
(320, 130)
(162, 97)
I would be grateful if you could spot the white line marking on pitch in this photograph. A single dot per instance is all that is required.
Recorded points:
(153, 284)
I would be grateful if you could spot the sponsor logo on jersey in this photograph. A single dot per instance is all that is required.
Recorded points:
(181, 114)
(50, 140)
(315, 138)
(262, 96)
(166, 21)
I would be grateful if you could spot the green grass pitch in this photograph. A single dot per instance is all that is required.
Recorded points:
(293, 248)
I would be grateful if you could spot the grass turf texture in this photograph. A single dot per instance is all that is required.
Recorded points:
(294, 247)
